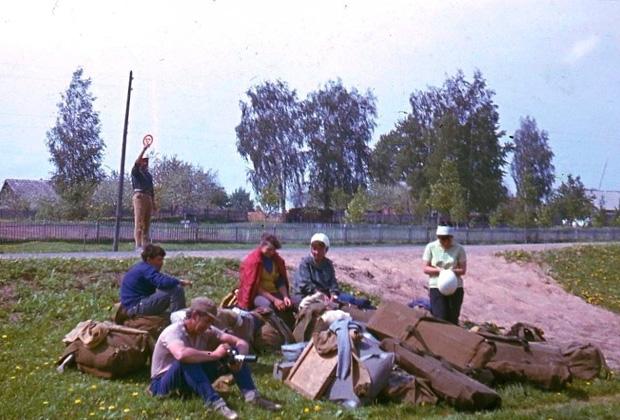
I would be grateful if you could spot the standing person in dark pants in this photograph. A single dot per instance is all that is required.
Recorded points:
(439, 255)
(147, 291)
(143, 199)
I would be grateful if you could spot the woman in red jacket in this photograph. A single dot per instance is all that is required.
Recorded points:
(263, 281)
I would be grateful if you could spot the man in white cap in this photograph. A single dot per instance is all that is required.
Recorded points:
(191, 354)
(439, 255)
(316, 274)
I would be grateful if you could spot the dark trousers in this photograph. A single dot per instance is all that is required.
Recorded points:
(160, 302)
(187, 378)
(447, 308)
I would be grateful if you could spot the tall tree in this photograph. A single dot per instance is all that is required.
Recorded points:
(104, 198)
(269, 137)
(531, 167)
(457, 122)
(338, 124)
(182, 187)
(447, 195)
(572, 202)
(76, 147)
(240, 199)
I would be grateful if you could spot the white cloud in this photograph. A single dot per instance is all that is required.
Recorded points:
(581, 49)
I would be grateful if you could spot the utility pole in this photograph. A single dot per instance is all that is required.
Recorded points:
(121, 177)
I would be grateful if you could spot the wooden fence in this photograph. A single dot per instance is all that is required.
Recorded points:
(249, 233)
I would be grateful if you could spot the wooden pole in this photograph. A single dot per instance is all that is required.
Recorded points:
(121, 177)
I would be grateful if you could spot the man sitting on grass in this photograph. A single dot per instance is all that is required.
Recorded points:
(191, 354)
(147, 291)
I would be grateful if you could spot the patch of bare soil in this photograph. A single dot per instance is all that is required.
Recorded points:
(495, 291)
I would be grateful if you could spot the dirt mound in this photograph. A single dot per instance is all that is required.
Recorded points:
(495, 291)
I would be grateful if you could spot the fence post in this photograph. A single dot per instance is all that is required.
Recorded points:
(97, 231)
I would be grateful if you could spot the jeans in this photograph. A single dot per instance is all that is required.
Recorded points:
(160, 302)
(197, 378)
(447, 308)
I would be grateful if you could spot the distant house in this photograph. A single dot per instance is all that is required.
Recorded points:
(25, 194)
(608, 201)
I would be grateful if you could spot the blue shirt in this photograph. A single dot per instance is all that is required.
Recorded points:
(141, 281)
(142, 180)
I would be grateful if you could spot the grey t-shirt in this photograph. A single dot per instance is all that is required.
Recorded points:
(162, 358)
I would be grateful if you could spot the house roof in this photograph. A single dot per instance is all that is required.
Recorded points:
(609, 200)
(30, 189)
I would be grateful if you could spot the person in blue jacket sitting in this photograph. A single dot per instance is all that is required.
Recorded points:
(147, 291)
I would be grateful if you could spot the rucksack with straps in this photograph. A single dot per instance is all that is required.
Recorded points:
(273, 332)
(516, 359)
(585, 361)
(106, 350)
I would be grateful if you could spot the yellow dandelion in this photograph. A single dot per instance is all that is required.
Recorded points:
(18, 367)
(13, 377)
(135, 394)
(317, 408)
(5, 336)
(111, 407)
(78, 401)
(93, 386)
(306, 410)
(46, 402)
(126, 410)
(92, 414)
(102, 408)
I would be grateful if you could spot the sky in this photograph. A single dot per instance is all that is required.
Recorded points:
(193, 61)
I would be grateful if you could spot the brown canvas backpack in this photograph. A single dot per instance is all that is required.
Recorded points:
(107, 350)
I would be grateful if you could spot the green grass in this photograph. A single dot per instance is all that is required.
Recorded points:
(43, 299)
(591, 272)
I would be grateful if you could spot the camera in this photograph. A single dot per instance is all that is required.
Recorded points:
(233, 356)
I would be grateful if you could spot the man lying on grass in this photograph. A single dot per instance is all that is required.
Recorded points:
(191, 354)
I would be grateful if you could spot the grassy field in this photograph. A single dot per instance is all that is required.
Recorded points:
(43, 299)
(588, 271)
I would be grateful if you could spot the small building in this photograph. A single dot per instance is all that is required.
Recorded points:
(25, 194)
(607, 201)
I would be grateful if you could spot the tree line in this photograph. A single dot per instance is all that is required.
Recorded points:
(446, 157)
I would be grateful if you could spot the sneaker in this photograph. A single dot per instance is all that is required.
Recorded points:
(220, 406)
(253, 397)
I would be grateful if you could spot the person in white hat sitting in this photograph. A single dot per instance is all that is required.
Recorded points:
(445, 262)
(315, 275)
